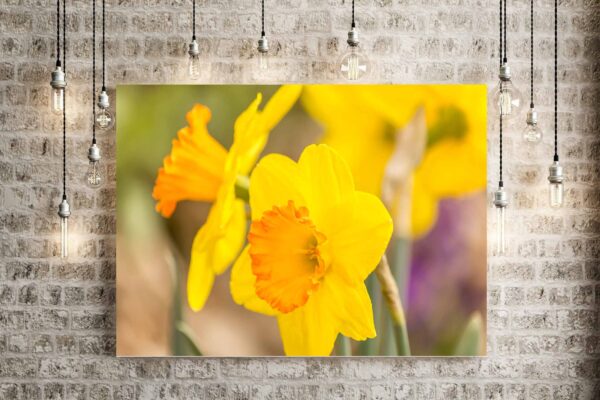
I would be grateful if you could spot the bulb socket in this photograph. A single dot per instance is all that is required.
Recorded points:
(555, 173)
(263, 45)
(193, 49)
(532, 117)
(94, 153)
(352, 37)
(500, 198)
(103, 101)
(504, 73)
(64, 210)
(58, 78)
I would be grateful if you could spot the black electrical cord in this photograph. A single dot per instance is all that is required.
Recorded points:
(531, 59)
(64, 62)
(103, 45)
(64, 99)
(193, 19)
(505, 60)
(500, 57)
(58, 33)
(555, 80)
(262, 18)
(353, 22)
(500, 47)
(93, 71)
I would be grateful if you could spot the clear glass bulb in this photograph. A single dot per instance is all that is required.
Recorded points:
(194, 66)
(500, 227)
(104, 119)
(353, 64)
(556, 194)
(64, 237)
(507, 100)
(263, 60)
(58, 98)
(532, 133)
(93, 175)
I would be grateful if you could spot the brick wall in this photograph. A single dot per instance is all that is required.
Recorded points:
(57, 333)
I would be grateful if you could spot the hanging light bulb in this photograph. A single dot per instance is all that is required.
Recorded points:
(58, 84)
(93, 175)
(194, 69)
(532, 133)
(500, 202)
(263, 53)
(104, 118)
(555, 177)
(354, 65)
(507, 99)
(64, 211)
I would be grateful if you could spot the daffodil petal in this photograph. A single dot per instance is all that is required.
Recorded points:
(279, 105)
(215, 247)
(242, 286)
(194, 168)
(363, 231)
(351, 305)
(424, 210)
(310, 330)
(199, 284)
(452, 168)
(275, 181)
(330, 180)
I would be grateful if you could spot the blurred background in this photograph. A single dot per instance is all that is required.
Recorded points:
(444, 276)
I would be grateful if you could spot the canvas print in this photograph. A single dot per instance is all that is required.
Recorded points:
(301, 220)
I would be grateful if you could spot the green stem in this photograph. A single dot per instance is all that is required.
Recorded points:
(400, 253)
(343, 347)
(242, 188)
(369, 347)
(389, 289)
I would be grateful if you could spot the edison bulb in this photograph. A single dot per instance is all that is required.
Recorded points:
(93, 175)
(532, 133)
(507, 100)
(58, 100)
(263, 60)
(556, 194)
(353, 64)
(64, 211)
(194, 69)
(58, 84)
(500, 230)
(104, 119)
(556, 178)
(64, 237)
(500, 202)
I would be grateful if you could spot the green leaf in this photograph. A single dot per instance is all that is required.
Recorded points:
(184, 343)
(470, 341)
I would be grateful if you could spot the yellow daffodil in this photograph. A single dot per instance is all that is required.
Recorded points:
(200, 169)
(362, 123)
(313, 241)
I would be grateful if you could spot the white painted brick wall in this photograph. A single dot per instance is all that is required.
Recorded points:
(57, 334)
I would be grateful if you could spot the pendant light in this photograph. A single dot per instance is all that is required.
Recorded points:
(64, 210)
(93, 176)
(555, 176)
(507, 99)
(104, 119)
(58, 82)
(193, 49)
(354, 65)
(532, 132)
(500, 195)
(263, 44)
